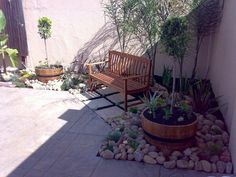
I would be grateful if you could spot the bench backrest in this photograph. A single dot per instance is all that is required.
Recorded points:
(129, 65)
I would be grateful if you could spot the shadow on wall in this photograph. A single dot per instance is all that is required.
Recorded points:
(97, 48)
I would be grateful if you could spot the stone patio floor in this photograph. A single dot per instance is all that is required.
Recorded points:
(52, 134)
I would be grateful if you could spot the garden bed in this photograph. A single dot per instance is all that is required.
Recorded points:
(210, 153)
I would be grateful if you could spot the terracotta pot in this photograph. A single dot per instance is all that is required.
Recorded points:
(48, 74)
(171, 137)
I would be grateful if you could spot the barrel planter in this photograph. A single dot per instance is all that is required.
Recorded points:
(48, 74)
(169, 137)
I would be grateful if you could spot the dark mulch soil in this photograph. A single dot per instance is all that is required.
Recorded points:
(172, 119)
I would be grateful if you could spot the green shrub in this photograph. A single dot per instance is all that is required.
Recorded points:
(133, 110)
(114, 136)
(214, 149)
(133, 144)
(109, 147)
(133, 134)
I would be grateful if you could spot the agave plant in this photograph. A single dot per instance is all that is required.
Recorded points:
(151, 102)
(4, 49)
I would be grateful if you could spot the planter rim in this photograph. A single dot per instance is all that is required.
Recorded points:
(172, 126)
(58, 67)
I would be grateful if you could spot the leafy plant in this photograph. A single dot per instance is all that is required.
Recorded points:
(214, 149)
(167, 113)
(201, 95)
(175, 38)
(44, 30)
(161, 102)
(133, 110)
(133, 144)
(151, 102)
(4, 49)
(120, 12)
(133, 134)
(166, 76)
(185, 107)
(114, 136)
(109, 147)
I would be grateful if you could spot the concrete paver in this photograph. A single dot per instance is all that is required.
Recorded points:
(97, 103)
(50, 134)
(110, 112)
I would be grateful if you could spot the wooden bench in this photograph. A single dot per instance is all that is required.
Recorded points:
(123, 72)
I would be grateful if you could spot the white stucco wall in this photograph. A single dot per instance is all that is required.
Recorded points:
(76, 27)
(74, 23)
(222, 69)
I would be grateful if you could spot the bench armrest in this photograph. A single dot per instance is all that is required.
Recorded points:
(97, 63)
(92, 64)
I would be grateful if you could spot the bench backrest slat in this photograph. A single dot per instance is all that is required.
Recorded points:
(124, 64)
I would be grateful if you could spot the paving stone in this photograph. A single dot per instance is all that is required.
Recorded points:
(114, 168)
(110, 112)
(118, 98)
(97, 103)
(139, 106)
(87, 95)
(96, 126)
(106, 91)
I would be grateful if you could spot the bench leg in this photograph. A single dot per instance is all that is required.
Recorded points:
(125, 102)
(90, 83)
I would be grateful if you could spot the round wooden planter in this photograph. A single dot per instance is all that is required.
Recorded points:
(169, 137)
(48, 74)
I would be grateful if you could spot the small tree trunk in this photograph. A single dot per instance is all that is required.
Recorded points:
(180, 75)
(4, 66)
(196, 57)
(173, 89)
(46, 51)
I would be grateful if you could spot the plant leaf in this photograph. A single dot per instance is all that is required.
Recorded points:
(13, 56)
(2, 21)
(3, 40)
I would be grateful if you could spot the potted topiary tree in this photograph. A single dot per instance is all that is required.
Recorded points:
(45, 71)
(170, 123)
(4, 49)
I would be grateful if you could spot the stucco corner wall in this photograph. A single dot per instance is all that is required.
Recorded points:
(223, 69)
(74, 23)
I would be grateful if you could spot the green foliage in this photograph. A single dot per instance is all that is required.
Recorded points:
(120, 13)
(214, 149)
(44, 27)
(109, 147)
(17, 82)
(175, 37)
(167, 113)
(141, 20)
(114, 136)
(4, 50)
(151, 102)
(166, 77)
(201, 95)
(133, 110)
(133, 134)
(71, 81)
(27, 74)
(161, 102)
(133, 144)
(185, 107)
(2, 21)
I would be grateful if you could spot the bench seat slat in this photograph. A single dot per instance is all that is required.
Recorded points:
(117, 81)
